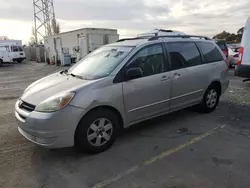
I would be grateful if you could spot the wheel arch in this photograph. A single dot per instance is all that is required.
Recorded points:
(218, 84)
(107, 107)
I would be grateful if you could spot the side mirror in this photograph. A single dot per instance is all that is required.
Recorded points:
(134, 73)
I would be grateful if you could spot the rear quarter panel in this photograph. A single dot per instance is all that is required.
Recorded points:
(220, 74)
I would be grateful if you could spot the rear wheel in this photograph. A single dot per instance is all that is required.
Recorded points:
(97, 131)
(1, 62)
(210, 99)
(19, 61)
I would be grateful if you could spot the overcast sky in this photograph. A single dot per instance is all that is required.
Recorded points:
(130, 17)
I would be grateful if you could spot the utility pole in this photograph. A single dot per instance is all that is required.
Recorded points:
(44, 13)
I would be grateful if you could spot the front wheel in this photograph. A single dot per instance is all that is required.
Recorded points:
(1, 62)
(210, 99)
(97, 131)
(19, 61)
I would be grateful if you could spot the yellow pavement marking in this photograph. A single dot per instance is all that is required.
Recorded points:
(156, 158)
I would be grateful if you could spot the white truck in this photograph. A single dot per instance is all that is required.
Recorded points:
(78, 43)
(11, 51)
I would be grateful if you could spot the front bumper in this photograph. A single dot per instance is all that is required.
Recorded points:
(242, 71)
(51, 130)
(19, 59)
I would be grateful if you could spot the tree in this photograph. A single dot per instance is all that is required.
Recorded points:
(32, 41)
(4, 38)
(230, 37)
(55, 26)
(240, 31)
(224, 35)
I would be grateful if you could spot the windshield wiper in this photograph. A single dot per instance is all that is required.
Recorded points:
(76, 76)
(64, 71)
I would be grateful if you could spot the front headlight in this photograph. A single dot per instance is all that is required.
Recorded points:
(55, 103)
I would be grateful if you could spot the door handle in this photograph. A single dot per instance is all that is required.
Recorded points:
(176, 75)
(164, 78)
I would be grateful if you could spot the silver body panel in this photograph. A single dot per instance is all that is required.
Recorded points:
(136, 100)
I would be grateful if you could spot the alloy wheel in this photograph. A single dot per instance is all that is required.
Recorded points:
(100, 132)
(211, 98)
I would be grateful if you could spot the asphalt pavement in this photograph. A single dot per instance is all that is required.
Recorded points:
(184, 149)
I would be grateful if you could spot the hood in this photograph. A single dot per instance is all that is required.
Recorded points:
(51, 85)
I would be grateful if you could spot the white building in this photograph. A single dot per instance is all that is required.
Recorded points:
(79, 43)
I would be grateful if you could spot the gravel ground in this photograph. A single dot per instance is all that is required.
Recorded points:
(184, 149)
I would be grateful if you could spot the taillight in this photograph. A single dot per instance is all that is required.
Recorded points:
(240, 55)
(11, 49)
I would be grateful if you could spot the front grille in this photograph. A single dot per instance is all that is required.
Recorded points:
(26, 106)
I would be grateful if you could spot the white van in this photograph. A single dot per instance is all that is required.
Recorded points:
(243, 65)
(5, 55)
(15, 49)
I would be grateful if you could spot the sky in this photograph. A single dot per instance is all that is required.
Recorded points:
(130, 17)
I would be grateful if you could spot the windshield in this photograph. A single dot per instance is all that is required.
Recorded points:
(20, 48)
(100, 63)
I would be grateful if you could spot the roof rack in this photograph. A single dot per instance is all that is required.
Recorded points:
(150, 38)
(135, 38)
(179, 36)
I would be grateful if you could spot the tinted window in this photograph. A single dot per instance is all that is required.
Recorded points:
(210, 52)
(183, 55)
(150, 59)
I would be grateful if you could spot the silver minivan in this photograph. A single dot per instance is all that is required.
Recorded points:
(119, 85)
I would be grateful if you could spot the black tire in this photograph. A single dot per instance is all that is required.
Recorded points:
(82, 131)
(19, 61)
(204, 106)
(1, 62)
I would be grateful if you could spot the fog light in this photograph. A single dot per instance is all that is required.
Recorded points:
(45, 140)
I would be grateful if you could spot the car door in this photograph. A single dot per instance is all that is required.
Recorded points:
(148, 95)
(186, 74)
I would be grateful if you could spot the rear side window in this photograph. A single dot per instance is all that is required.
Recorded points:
(184, 55)
(210, 52)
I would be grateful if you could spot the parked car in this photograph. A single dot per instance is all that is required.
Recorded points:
(119, 85)
(223, 47)
(243, 65)
(233, 56)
